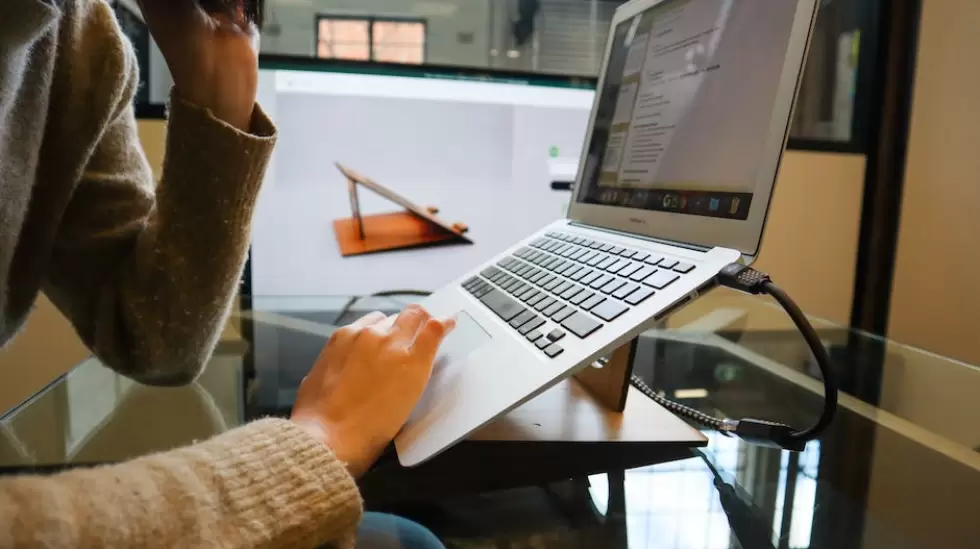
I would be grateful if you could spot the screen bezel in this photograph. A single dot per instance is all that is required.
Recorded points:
(693, 230)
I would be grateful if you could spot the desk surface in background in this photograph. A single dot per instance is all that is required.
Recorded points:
(897, 469)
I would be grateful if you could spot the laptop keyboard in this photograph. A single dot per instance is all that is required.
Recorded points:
(577, 283)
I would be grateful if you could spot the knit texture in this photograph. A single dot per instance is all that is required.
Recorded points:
(146, 273)
(266, 485)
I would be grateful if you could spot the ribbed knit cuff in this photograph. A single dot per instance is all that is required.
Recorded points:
(284, 486)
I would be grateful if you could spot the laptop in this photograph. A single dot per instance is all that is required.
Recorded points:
(687, 129)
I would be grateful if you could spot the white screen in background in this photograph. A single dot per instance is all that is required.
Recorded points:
(484, 153)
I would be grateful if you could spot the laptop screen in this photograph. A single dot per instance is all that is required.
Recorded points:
(685, 110)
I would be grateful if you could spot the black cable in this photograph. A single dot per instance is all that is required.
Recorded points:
(745, 279)
(820, 355)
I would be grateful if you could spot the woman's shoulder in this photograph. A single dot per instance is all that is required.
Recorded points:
(95, 55)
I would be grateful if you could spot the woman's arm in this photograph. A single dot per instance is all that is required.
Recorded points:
(147, 274)
(269, 484)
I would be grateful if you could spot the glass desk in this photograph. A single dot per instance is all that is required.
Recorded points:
(899, 468)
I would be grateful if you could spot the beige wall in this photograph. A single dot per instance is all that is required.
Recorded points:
(935, 301)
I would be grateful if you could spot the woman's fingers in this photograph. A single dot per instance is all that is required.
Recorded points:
(431, 335)
(408, 323)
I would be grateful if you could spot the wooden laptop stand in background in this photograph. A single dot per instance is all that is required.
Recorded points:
(412, 228)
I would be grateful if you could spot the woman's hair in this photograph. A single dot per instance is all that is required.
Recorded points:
(252, 10)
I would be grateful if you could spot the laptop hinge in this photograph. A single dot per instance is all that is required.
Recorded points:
(642, 237)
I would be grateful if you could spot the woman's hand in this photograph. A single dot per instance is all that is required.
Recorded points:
(367, 381)
(212, 57)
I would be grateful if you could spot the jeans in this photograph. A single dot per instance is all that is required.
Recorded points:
(381, 531)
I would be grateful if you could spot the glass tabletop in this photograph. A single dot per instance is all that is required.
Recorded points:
(899, 467)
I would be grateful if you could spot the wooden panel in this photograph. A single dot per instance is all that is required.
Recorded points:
(935, 301)
(811, 240)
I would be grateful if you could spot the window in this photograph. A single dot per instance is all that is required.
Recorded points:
(371, 39)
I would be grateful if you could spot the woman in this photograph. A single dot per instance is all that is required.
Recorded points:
(146, 275)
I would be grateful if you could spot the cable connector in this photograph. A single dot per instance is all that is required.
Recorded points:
(765, 433)
(743, 278)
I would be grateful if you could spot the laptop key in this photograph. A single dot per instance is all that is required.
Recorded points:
(562, 288)
(630, 269)
(563, 314)
(553, 350)
(616, 250)
(534, 336)
(531, 325)
(528, 295)
(595, 245)
(639, 295)
(610, 310)
(661, 279)
(625, 291)
(482, 291)
(521, 319)
(581, 325)
(594, 262)
(545, 280)
(618, 266)
(571, 292)
(554, 308)
(606, 247)
(578, 255)
(556, 335)
(588, 304)
(580, 275)
(542, 343)
(640, 256)
(591, 277)
(612, 286)
(544, 303)
(607, 262)
(531, 302)
(627, 253)
(653, 259)
(589, 256)
(600, 282)
(668, 263)
(638, 276)
(553, 284)
(581, 297)
(502, 305)
(684, 268)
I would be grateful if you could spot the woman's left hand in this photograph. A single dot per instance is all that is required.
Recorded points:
(212, 57)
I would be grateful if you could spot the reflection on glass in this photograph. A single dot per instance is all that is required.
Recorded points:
(676, 505)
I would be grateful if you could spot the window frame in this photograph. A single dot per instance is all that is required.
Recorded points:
(370, 20)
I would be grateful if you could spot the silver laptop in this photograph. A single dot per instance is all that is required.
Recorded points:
(688, 126)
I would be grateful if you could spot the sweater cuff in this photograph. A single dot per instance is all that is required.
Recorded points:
(213, 163)
(285, 485)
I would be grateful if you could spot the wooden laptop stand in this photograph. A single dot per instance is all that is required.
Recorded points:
(414, 227)
(592, 422)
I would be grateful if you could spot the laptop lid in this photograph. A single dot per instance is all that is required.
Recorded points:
(690, 119)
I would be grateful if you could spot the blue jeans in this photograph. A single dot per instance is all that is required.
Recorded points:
(381, 531)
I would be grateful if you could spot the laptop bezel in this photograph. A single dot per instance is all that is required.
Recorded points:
(693, 230)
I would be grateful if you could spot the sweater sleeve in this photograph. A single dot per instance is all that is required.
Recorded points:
(145, 272)
(266, 485)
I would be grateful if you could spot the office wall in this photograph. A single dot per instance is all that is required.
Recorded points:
(935, 297)
(457, 33)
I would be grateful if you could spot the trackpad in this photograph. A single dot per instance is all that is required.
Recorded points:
(467, 337)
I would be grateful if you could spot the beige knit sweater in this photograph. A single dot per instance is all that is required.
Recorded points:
(146, 274)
